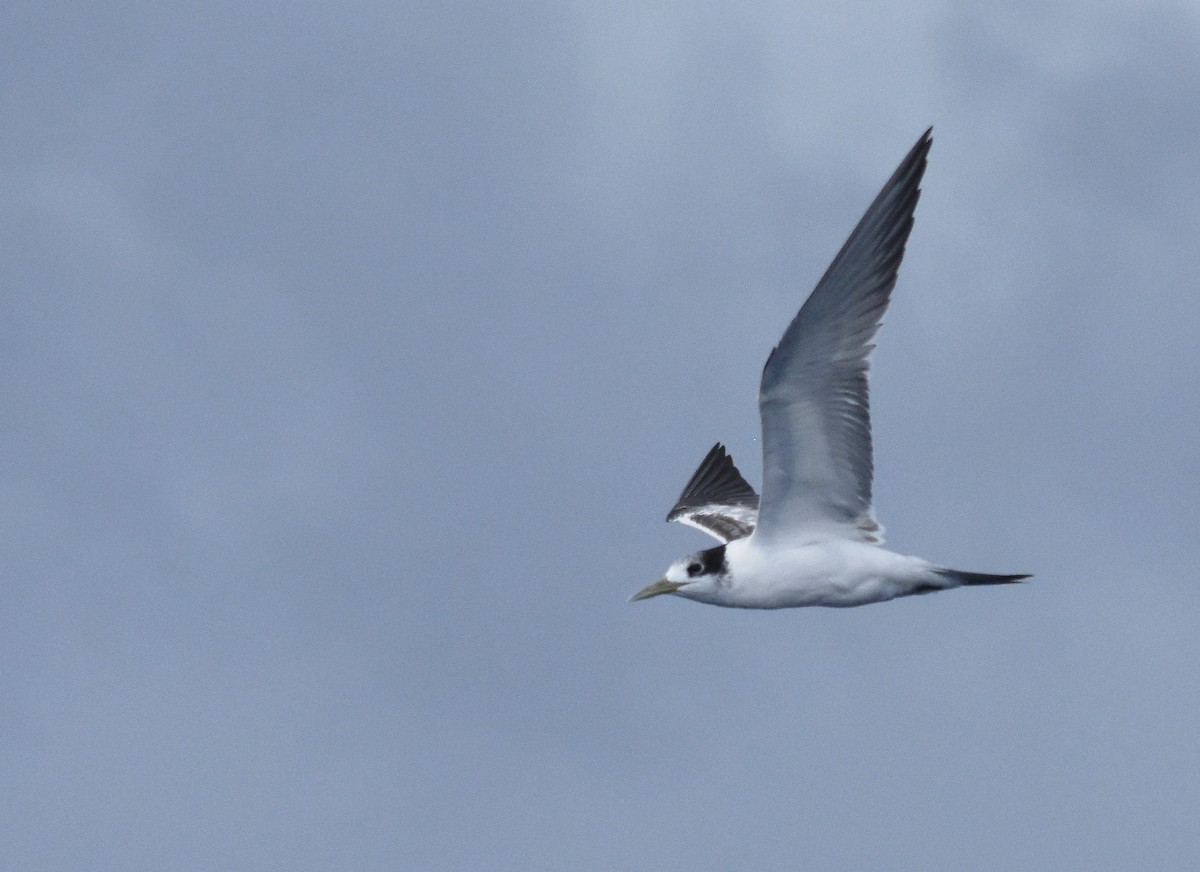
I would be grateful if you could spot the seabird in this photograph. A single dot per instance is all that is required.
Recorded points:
(812, 539)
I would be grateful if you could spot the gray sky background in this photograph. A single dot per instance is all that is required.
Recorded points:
(352, 357)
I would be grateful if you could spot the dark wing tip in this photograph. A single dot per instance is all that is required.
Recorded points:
(912, 168)
(715, 482)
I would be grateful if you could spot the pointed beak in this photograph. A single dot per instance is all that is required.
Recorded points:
(656, 589)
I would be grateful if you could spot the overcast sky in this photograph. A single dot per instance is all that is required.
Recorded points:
(353, 354)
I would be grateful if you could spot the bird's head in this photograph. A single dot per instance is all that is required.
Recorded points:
(693, 576)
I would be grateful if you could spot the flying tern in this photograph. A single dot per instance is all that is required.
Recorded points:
(812, 539)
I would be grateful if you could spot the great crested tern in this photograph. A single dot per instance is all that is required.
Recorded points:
(813, 540)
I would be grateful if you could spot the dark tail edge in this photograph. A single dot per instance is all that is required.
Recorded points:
(979, 577)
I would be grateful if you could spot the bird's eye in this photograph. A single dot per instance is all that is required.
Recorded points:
(694, 569)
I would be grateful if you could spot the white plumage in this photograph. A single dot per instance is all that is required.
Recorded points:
(812, 539)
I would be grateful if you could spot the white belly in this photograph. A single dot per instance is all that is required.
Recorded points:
(834, 573)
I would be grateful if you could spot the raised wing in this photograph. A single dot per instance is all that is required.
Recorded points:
(717, 499)
(816, 420)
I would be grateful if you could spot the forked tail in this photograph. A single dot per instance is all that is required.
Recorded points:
(958, 577)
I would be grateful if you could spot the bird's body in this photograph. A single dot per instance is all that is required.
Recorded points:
(837, 572)
(812, 539)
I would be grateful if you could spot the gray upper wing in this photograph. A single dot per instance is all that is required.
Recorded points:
(816, 420)
(717, 499)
